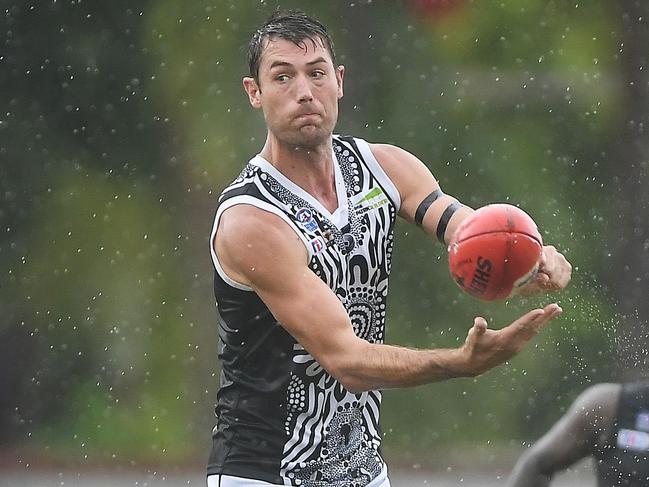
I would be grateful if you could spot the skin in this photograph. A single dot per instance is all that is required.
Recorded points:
(585, 426)
(298, 92)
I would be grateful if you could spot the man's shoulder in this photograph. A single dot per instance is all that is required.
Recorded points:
(243, 184)
(248, 172)
(380, 150)
(254, 244)
(246, 229)
(251, 220)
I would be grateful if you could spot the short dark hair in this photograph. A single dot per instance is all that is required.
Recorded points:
(290, 25)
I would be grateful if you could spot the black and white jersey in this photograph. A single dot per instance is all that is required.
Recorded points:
(624, 459)
(280, 416)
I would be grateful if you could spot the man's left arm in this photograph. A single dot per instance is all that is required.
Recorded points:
(422, 199)
(440, 215)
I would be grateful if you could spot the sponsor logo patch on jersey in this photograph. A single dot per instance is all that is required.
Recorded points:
(304, 217)
(318, 244)
(642, 421)
(374, 198)
(633, 440)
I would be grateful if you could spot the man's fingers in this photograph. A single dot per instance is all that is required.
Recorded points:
(546, 283)
(530, 316)
(566, 274)
(550, 312)
(555, 265)
(534, 320)
(540, 283)
(554, 273)
(475, 332)
(478, 329)
(480, 325)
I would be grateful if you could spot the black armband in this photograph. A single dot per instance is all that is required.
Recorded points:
(425, 204)
(446, 217)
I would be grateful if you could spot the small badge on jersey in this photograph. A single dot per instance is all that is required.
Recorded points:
(304, 217)
(642, 421)
(318, 245)
(633, 440)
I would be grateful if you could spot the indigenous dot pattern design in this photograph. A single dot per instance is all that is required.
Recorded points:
(296, 401)
(332, 436)
(345, 463)
(294, 203)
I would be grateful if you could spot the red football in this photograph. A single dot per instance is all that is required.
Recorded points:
(495, 251)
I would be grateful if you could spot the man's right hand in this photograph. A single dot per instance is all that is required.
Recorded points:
(485, 348)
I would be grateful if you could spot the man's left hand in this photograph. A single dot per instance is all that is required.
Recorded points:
(553, 274)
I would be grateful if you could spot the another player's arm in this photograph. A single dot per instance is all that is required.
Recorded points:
(586, 425)
(259, 249)
(418, 187)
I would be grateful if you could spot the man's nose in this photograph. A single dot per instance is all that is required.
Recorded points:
(303, 89)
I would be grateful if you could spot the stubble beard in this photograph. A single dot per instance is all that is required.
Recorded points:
(308, 137)
(311, 139)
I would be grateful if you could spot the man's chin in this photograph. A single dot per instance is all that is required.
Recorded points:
(310, 136)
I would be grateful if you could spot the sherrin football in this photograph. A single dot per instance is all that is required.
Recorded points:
(495, 251)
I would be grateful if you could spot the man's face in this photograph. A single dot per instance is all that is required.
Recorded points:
(298, 91)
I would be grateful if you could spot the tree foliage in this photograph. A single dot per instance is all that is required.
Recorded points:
(126, 119)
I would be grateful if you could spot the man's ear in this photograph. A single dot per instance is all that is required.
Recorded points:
(340, 75)
(253, 91)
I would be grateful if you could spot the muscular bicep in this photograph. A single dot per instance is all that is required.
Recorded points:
(265, 254)
(415, 183)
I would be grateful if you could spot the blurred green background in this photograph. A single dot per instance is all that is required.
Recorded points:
(122, 121)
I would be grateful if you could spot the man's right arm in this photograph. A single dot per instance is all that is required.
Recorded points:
(258, 249)
(586, 425)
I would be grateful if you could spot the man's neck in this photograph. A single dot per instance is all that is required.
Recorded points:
(311, 168)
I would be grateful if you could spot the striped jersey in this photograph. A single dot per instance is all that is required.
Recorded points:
(281, 417)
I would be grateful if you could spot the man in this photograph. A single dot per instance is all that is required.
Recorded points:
(302, 244)
(609, 422)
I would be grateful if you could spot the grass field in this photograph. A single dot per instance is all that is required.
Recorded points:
(579, 476)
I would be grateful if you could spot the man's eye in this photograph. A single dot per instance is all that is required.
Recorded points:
(282, 77)
(317, 74)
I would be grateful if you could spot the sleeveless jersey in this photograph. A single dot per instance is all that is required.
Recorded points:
(280, 416)
(624, 459)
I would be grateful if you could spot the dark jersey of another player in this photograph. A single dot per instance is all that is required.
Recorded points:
(623, 461)
(281, 417)
(609, 422)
